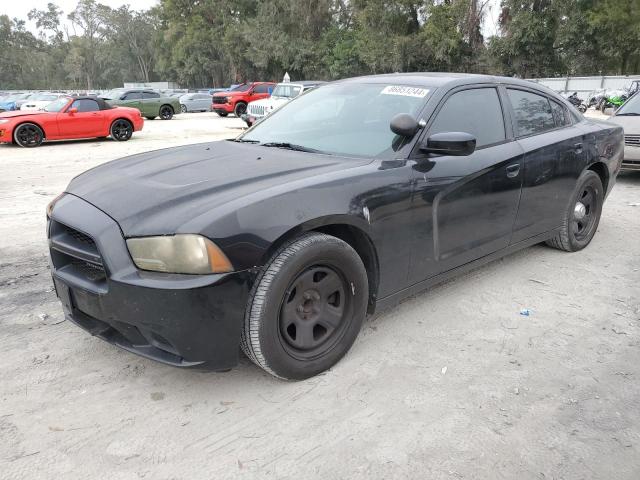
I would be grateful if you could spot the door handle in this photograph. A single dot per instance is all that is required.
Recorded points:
(578, 147)
(513, 170)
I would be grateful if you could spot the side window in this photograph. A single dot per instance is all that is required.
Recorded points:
(148, 95)
(533, 112)
(261, 89)
(476, 111)
(560, 114)
(133, 96)
(86, 105)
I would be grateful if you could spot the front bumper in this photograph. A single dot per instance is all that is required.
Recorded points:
(631, 159)
(222, 107)
(181, 320)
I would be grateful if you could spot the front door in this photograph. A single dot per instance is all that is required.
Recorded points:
(260, 92)
(87, 122)
(465, 207)
(132, 99)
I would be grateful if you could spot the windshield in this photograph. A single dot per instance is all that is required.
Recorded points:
(42, 97)
(630, 107)
(343, 119)
(241, 88)
(288, 91)
(57, 105)
(112, 94)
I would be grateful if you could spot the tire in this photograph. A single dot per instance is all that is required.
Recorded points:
(306, 307)
(240, 109)
(576, 233)
(121, 130)
(166, 112)
(222, 114)
(183, 108)
(28, 135)
(150, 118)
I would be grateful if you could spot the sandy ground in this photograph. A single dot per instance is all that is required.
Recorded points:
(451, 384)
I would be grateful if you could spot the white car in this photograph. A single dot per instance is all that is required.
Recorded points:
(283, 93)
(628, 117)
(41, 100)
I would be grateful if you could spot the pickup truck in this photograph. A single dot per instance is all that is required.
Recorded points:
(236, 100)
(150, 103)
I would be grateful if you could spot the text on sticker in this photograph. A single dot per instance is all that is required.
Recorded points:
(405, 91)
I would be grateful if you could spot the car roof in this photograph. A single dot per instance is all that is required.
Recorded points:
(101, 102)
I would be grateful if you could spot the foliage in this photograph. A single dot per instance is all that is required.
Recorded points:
(217, 42)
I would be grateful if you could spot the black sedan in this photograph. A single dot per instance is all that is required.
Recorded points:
(346, 200)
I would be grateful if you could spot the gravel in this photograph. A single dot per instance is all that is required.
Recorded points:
(454, 383)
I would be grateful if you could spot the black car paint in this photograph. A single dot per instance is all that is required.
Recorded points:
(415, 219)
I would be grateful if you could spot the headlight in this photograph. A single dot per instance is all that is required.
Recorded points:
(52, 204)
(188, 253)
(4, 120)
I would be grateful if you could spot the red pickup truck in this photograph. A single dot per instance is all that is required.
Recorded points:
(235, 101)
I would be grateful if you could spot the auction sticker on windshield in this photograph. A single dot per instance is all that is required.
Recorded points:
(405, 91)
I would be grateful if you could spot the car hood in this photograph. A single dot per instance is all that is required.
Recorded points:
(20, 113)
(271, 101)
(630, 124)
(166, 191)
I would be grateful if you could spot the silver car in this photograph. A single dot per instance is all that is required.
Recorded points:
(628, 117)
(195, 102)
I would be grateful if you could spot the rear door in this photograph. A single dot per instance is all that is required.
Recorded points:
(465, 207)
(554, 158)
(87, 122)
(150, 104)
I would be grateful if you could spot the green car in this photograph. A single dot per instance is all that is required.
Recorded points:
(150, 103)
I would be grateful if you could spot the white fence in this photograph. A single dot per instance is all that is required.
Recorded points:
(585, 85)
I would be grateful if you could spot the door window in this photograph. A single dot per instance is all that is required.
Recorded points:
(148, 95)
(86, 105)
(261, 89)
(560, 114)
(533, 112)
(476, 111)
(133, 96)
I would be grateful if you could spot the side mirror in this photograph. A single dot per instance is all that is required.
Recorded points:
(404, 125)
(73, 111)
(459, 144)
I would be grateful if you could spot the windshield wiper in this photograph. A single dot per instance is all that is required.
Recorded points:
(245, 140)
(290, 146)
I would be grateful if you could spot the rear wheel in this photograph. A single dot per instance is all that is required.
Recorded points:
(306, 307)
(166, 112)
(582, 216)
(240, 109)
(121, 130)
(28, 135)
(183, 108)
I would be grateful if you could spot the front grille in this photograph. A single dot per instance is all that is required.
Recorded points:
(75, 255)
(632, 140)
(256, 110)
(219, 100)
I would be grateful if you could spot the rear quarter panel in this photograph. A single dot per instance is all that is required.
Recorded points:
(604, 142)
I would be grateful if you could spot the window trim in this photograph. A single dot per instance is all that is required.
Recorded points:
(540, 94)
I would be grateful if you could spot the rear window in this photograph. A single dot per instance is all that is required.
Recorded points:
(560, 114)
(533, 112)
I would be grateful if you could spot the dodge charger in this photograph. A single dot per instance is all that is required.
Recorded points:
(346, 200)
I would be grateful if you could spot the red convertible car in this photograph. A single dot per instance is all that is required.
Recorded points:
(70, 118)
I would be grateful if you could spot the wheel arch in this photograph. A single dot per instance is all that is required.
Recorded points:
(603, 172)
(346, 229)
(24, 122)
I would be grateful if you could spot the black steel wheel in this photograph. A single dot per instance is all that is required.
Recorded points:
(121, 130)
(582, 217)
(306, 307)
(28, 135)
(166, 112)
(240, 109)
(183, 108)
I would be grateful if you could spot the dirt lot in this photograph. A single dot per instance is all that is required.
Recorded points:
(452, 384)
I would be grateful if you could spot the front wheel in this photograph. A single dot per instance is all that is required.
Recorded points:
(240, 109)
(222, 114)
(121, 130)
(166, 112)
(582, 217)
(28, 135)
(306, 307)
